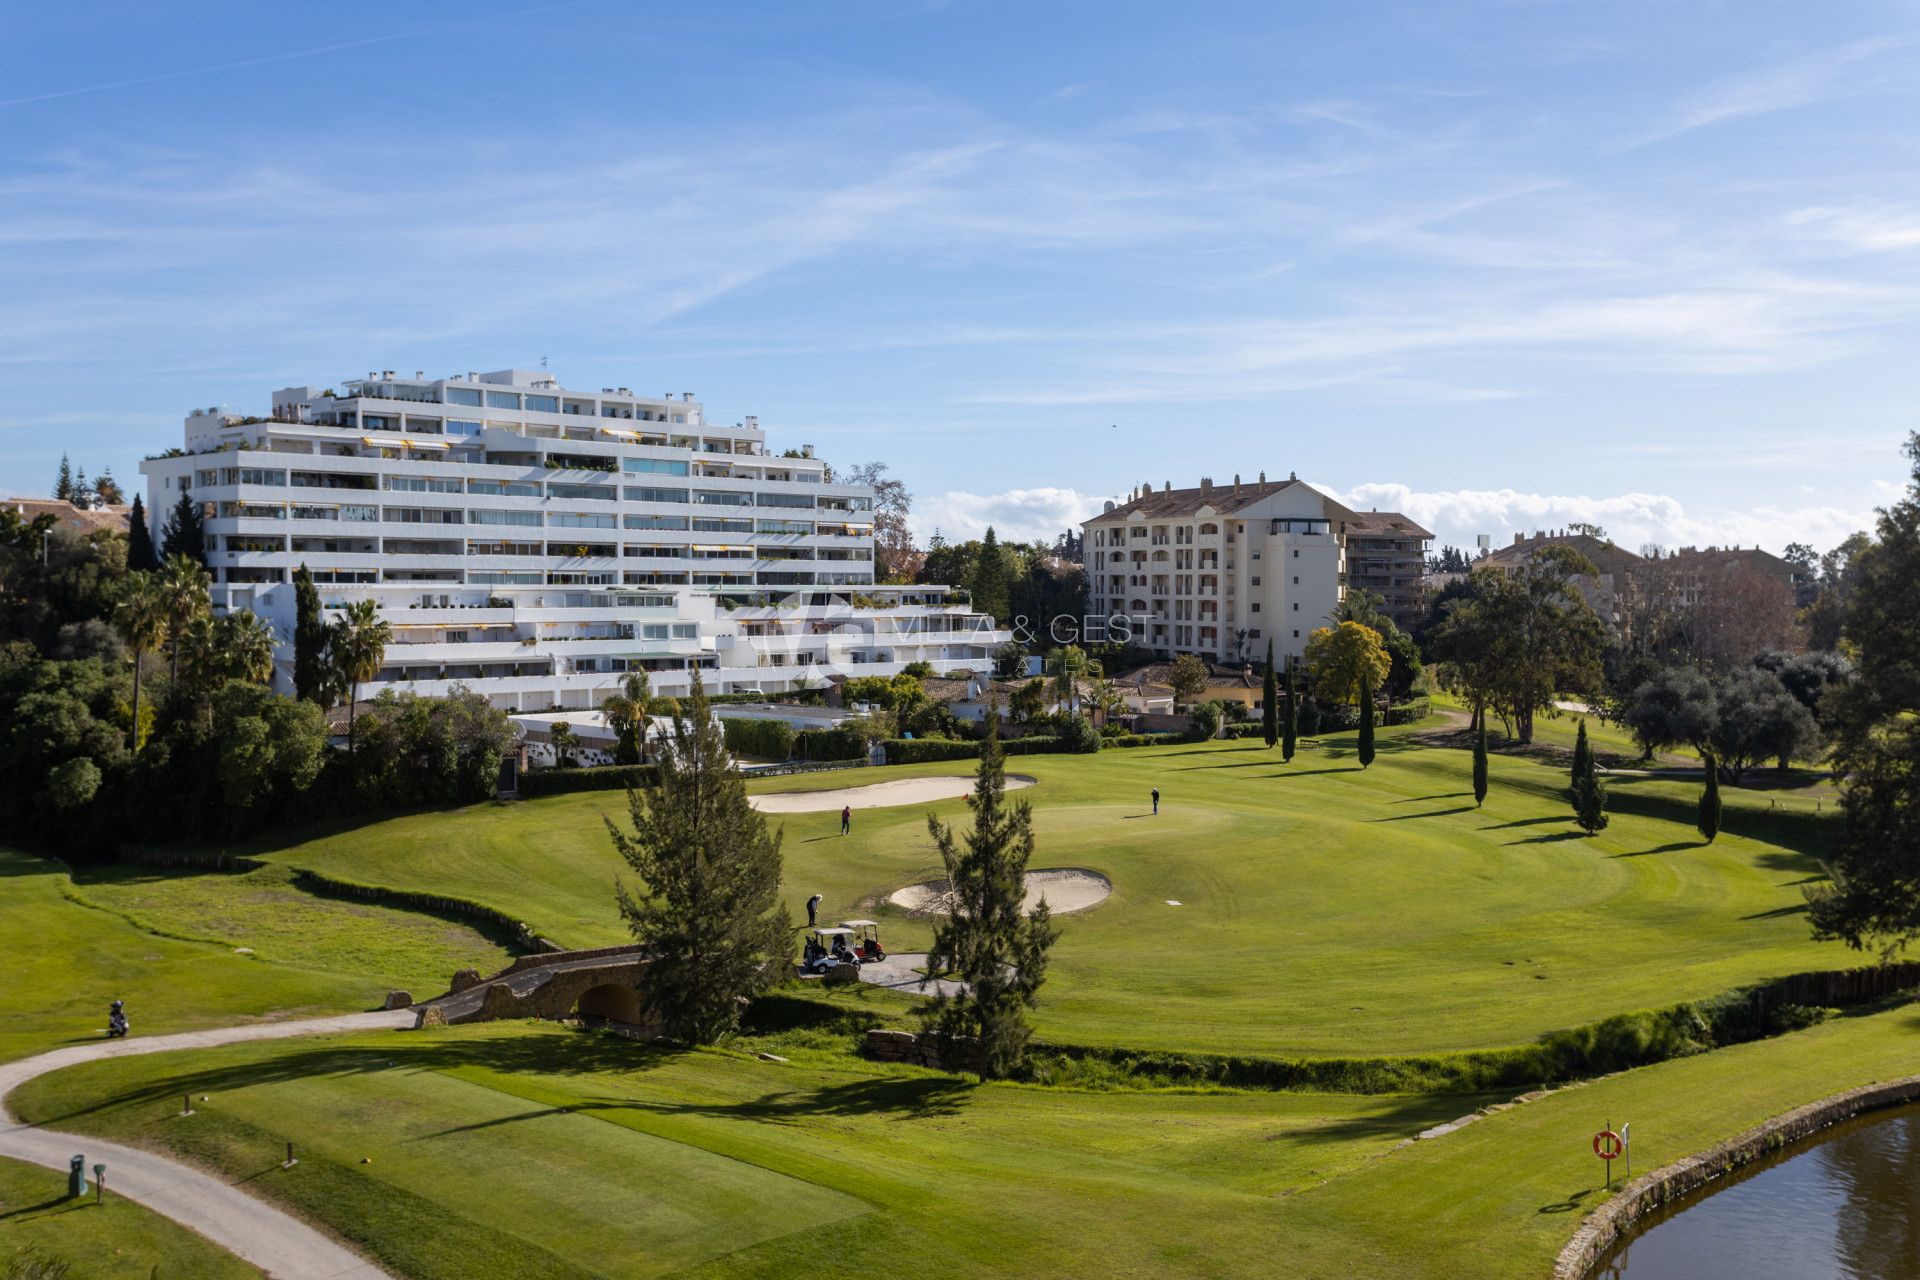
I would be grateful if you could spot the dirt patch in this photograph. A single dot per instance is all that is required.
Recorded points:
(877, 795)
(1066, 889)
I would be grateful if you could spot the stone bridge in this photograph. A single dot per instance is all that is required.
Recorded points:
(559, 984)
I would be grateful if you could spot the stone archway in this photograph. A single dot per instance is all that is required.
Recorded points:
(614, 1001)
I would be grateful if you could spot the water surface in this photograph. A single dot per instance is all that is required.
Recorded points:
(1845, 1207)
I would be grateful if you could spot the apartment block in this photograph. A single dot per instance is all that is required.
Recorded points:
(1387, 557)
(536, 543)
(1218, 570)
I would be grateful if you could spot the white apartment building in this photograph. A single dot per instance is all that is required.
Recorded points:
(1217, 570)
(536, 543)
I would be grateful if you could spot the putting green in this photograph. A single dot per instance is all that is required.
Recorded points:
(1325, 910)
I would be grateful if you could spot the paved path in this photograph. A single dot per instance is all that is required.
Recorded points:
(896, 973)
(279, 1244)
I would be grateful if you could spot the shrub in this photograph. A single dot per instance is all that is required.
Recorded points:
(758, 739)
(1309, 718)
(843, 743)
(1206, 721)
(1078, 736)
(923, 750)
(1142, 739)
(612, 777)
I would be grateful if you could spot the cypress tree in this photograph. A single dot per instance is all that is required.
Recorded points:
(1589, 797)
(1480, 765)
(184, 533)
(707, 905)
(1366, 722)
(1582, 756)
(310, 667)
(140, 554)
(1290, 727)
(1270, 702)
(1709, 821)
(63, 484)
(1001, 957)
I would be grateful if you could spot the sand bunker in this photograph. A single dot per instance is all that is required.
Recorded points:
(878, 795)
(1066, 889)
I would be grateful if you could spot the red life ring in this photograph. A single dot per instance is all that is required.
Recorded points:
(1607, 1144)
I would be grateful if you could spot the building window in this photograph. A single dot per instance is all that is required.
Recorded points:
(1296, 633)
(1296, 606)
(457, 396)
(1256, 582)
(1256, 606)
(456, 427)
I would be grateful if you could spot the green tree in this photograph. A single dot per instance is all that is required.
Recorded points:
(985, 942)
(1874, 894)
(357, 641)
(706, 908)
(140, 553)
(312, 676)
(1346, 662)
(73, 783)
(142, 618)
(626, 713)
(1290, 729)
(565, 743)
(1756, 719)
(1709, 819)
(1366, 725)
(990, 581)
(1010, 660)
(1188, 677)
(1270, 701)
(185, 532)
(1480, 764)
(63, 482)
(1589, 797)
(185, 585)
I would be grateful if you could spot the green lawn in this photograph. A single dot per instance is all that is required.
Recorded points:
(567, 1154)
(64, 960)
(113, 1240)
(1325, 910)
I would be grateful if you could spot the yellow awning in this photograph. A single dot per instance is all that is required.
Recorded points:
(620, 431)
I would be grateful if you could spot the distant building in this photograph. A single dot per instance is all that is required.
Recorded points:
(1218, 570)
(1387, 557)
(93, 517)
(1695, 565)
(1609, 592)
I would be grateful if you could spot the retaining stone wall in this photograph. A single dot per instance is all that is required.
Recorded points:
(903, 1046)
(1649, 1191)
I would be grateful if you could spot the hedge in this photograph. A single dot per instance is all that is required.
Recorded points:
(829, 744)
(1140, 739)
(759, 739)
(611, 777)
(922, 750)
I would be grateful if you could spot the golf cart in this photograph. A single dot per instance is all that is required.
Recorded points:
(866, 940)
(828, 949)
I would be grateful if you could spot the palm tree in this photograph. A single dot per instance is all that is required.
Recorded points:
(247, 640)
(142, 618)
(565, 740)
(357, 640)
(184, 587)
(626, 713)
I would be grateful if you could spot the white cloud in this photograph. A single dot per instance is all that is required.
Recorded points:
(1017, 515)
(1797, 83)
(1862, 230)
(1456, 516)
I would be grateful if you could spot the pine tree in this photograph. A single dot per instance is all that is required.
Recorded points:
(311, 671)
(1366, 723)
(1589, 797)
(1270, 702)
(140, 553)
(1290, 727)
(1001, 957)
(63, 485)
(80, 485)
(1709, 820)
(184, 533)
(707, 906)
(108, 488)
(1480, 764)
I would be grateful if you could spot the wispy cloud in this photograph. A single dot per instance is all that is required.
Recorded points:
(1798, 82)
(1016, 515)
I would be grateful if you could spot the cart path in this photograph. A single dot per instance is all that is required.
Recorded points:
(877, 795)
(253, 1230)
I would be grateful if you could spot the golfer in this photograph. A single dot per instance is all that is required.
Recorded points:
(1156, 800)
(846, 819)
(813, 911)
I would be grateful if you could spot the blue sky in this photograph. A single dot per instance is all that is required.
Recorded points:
(1497, 264)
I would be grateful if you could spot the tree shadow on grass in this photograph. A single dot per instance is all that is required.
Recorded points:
(1443, 795)
(1521, 822)
(1308, 773)
(45, 1209)
(1779, 913)
(1406, 1117)
(1431, 813)
(1572, 1204)
(908, 1098)
(1673, 846)
(1553, 837)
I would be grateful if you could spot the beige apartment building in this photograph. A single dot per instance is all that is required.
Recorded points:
(1218, 570)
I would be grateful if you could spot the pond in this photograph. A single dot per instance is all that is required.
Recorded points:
(1846, 1205)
